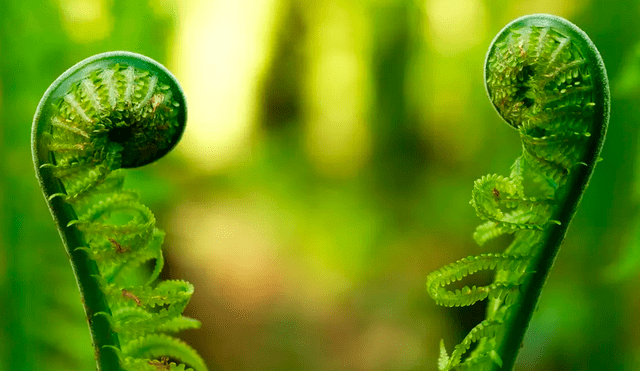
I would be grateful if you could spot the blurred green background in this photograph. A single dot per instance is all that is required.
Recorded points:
(326, 169)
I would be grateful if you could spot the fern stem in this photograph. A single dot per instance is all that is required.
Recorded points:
(554, 235)
(85, 269)
(540, 269)
(111, 111)
(546, 79)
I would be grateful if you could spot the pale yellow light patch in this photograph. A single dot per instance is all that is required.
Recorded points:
(440, 89)
(449, 121)
(221, 51)
(455, 25)
(337, 94)
(443, 74)
(86, 20)
(164, 8)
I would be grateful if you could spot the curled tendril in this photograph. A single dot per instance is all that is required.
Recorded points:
(112, 111)
(546, 79)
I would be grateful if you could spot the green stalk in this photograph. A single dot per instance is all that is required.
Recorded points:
(546, 79)
(110, 111)
(85, 269)
(554, 235)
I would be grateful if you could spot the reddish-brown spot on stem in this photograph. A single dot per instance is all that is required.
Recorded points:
(118, 247)
(131, 296)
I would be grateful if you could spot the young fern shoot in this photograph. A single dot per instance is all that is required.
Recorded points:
(547, 80)
(111, 111)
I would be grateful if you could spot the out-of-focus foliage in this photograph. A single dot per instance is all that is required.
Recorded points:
(326, 169)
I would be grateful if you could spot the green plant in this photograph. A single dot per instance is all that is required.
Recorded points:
(111, 111)
(546, 79)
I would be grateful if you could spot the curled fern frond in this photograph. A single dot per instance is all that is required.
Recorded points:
(483, 330)
(135, 322)
(109, 112)
(157, 346)
(464, 267)
(546, 79)
(501, 202)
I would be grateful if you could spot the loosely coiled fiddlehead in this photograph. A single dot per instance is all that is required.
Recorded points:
(547, 80)
(111, 111)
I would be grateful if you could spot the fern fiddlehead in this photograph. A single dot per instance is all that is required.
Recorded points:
(111, 111)
(546, 79)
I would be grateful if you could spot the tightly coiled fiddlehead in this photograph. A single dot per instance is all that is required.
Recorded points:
(111, 111)
(546, 79)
